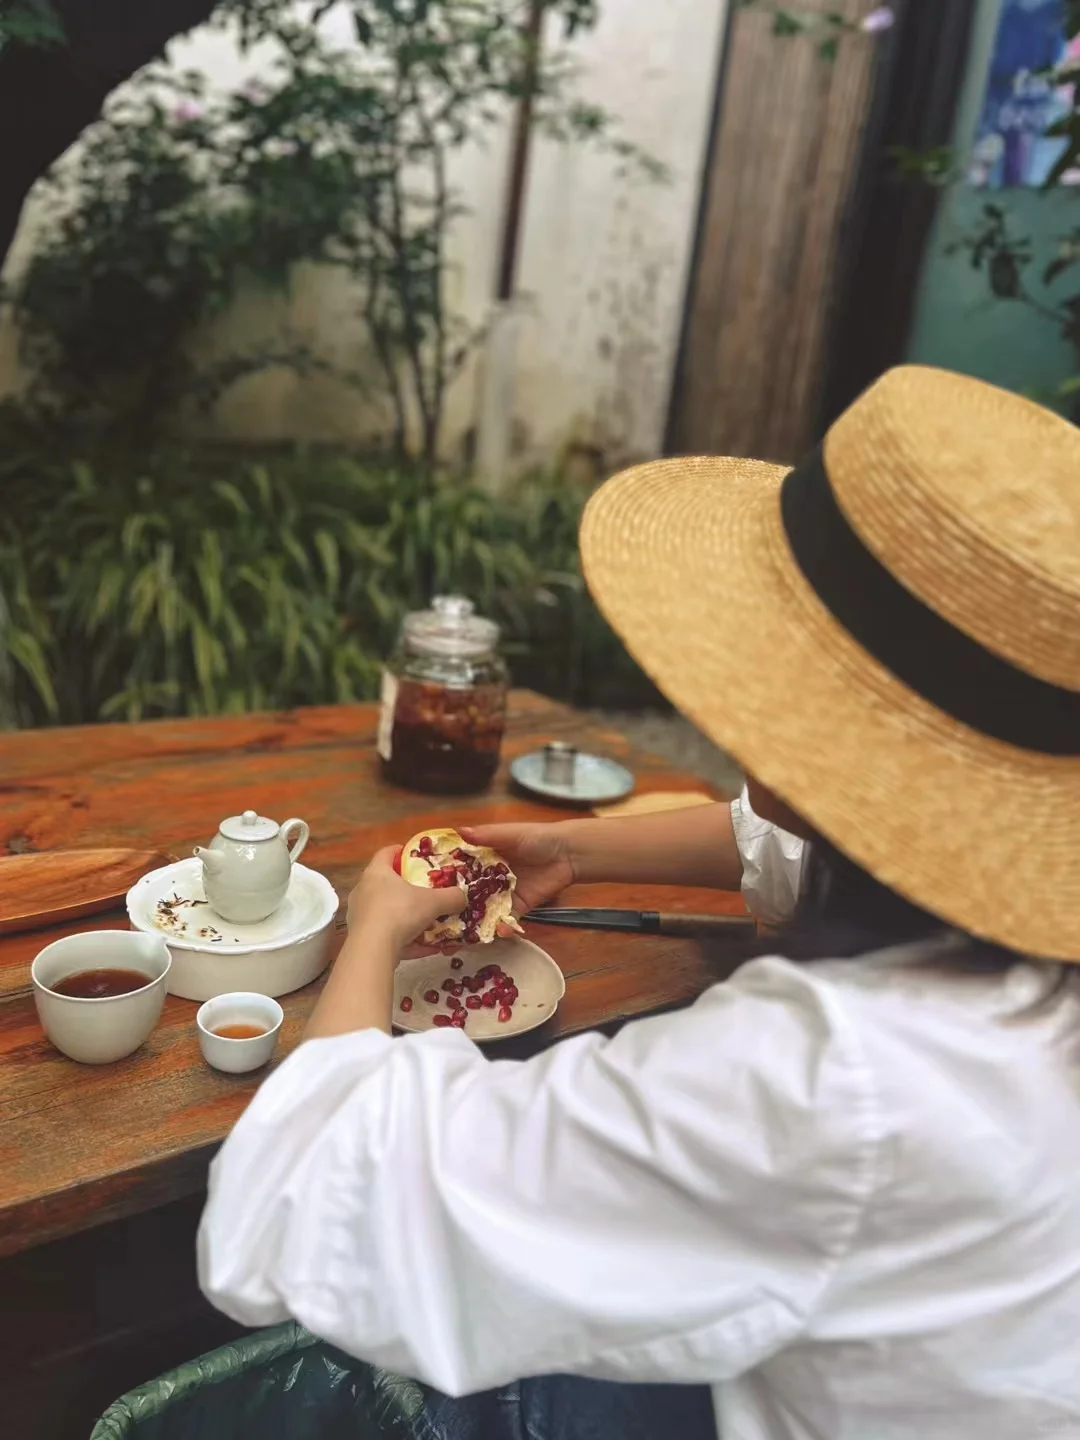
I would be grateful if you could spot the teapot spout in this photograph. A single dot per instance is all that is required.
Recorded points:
(212, 860)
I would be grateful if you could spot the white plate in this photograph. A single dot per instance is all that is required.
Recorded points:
(212, 956)
(539, 982)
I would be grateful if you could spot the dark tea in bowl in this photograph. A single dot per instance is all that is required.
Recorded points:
(100, 994)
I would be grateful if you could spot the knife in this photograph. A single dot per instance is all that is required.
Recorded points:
(646, 922)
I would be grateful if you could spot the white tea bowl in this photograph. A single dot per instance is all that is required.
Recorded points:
(98, 1031)
(239, 1007)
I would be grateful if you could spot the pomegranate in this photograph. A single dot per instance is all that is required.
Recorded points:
(473, 1002)
(441, 859)
(505, 1014)
(406, 1004)
(431, 996)
(442, 1021)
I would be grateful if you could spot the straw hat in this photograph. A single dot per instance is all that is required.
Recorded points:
(888, 637)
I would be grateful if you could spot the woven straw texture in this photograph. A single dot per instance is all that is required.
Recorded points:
(970, 496)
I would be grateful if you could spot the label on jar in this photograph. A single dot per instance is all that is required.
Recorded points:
(384, 742)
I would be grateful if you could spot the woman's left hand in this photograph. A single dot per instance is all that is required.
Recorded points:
(383, 900)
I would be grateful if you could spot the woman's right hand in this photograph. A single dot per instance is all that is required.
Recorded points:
(539, 855)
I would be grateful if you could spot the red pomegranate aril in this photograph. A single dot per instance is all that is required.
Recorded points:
(442, 879)
(458, 1019)
(473, 1002)
(406, 1004)
(507, 979)
(442, 1021)
(449, 983)
(456, 989)
(489, 1000)
(456, 963)
(427, 844)
(505, 1014)
(431, 996)
(510, 994)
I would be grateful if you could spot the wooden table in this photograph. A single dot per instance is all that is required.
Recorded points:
(83, 1145)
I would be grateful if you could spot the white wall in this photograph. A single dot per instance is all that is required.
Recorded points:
(603, 265)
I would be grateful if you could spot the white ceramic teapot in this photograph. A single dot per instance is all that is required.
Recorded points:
(247, 865)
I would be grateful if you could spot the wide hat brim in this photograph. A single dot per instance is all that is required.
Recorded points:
(690, 563)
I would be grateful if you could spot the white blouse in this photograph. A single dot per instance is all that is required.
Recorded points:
(845, 1195)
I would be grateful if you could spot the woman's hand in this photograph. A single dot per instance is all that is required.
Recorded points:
(539, 855)
(384, 902)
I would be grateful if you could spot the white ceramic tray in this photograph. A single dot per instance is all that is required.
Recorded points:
(540, 984)
(212, 956)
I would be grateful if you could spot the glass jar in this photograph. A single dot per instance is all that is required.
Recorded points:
(444, 701)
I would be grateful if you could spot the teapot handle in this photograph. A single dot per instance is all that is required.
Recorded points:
(302, 833)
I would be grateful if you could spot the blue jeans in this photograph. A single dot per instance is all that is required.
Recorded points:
(562, 1407)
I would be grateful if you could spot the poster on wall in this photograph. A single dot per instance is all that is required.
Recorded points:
(1022, 102)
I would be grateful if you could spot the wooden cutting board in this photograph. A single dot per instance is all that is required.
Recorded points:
(53, 886)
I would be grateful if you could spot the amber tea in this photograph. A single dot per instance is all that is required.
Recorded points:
(101, 984)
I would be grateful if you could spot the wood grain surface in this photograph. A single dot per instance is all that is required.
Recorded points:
(80, 1145)
(52, 887)
(789, 130)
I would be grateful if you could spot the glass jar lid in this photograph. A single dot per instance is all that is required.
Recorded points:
(451, 628)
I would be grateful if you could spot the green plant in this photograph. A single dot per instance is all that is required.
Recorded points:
(29, 22)
(206, 582)
(340, 156)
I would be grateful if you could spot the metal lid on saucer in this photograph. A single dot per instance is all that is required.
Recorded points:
(568, 776)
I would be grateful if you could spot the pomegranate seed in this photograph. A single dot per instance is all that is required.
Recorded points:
(406, 1004)
(508, 979)
(427, 844)
(456, 963)
(489, 1000)
(456, 989)
(458, 1019)
(505, 1013)
(511, 993)
(442, 1021)
(473, 1002)
(449, 983)
(453, 1003)
(431, 996)
(442, 879)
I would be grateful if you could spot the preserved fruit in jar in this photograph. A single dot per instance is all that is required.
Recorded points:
(444, 701)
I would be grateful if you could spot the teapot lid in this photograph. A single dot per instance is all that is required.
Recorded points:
(249, 826)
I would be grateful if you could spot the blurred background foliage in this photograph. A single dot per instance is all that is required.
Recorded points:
(142, 575)
(193, 582)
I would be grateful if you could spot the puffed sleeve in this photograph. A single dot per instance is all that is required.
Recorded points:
(665, 1205)
(772, 864)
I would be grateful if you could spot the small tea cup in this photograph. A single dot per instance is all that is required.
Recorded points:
(99, 1030)
(238, 1008)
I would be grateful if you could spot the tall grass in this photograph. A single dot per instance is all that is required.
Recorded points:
(200, 582)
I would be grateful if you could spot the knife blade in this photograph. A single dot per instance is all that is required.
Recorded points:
(645, 922)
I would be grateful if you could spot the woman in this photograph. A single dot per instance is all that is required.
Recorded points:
(840, 1190)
